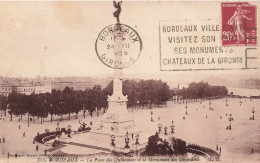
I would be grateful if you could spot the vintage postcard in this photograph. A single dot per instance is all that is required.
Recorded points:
(129, 81)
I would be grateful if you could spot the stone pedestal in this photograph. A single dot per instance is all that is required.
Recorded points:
(117, 121)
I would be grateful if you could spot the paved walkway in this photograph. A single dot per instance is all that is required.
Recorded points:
(90, 146)
(56, 148)
(56, 151)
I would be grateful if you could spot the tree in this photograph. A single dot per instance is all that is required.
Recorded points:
(50, 109)
(203, 90)
(68, 100)
(12, 104)
(3, 103)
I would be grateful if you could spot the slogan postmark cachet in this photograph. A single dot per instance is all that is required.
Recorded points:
(219, 43)
(239, 26)
(118, 46)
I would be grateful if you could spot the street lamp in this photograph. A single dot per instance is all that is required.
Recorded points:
(230, 119)
(127, 141)
(253, 111)
(57, 128)
(172, 128)
(137, 138)
(226, 102)
(165, 130)
(113, 138)
(151, 115)
(160, 127)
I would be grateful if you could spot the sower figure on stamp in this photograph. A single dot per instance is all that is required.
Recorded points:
(116, 14)
(236, 21)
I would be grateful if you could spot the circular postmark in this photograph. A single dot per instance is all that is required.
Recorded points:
(118, 46)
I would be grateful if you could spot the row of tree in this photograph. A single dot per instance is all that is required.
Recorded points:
(68, 101)
(202, 90)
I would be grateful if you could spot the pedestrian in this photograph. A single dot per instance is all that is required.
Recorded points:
(37, 147)
(38, 134)
(8, 154)
(217, 147)
(33, 140)
(252, 151)
(132, 136)
(23, 134)
(90, 123)
(219, 150)
(45, 152)
(19, 127)
(3, 139)
(0, 140)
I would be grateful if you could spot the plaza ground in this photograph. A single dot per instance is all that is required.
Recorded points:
(201, 126)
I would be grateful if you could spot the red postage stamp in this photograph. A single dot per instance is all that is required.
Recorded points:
(239, 26)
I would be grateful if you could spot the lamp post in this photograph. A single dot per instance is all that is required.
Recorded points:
(58, 127)
(151, 115)
(230, 119)
(226, 102)
(137, 144)
(253, 111)
(172, 128)
(165, 130)
(51, 111)
(160, 127)
(127, 141)
(113, 138)
(137, 139)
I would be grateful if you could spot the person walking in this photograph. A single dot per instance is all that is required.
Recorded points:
(3, 139)
(219, 150)
(37, 147)
(252, 151)
(0, 140)
(23, 134)
(19, 127)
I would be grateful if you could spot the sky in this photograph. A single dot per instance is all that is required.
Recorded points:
(57, 39)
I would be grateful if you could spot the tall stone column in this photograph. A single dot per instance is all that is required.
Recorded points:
(117, 103)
